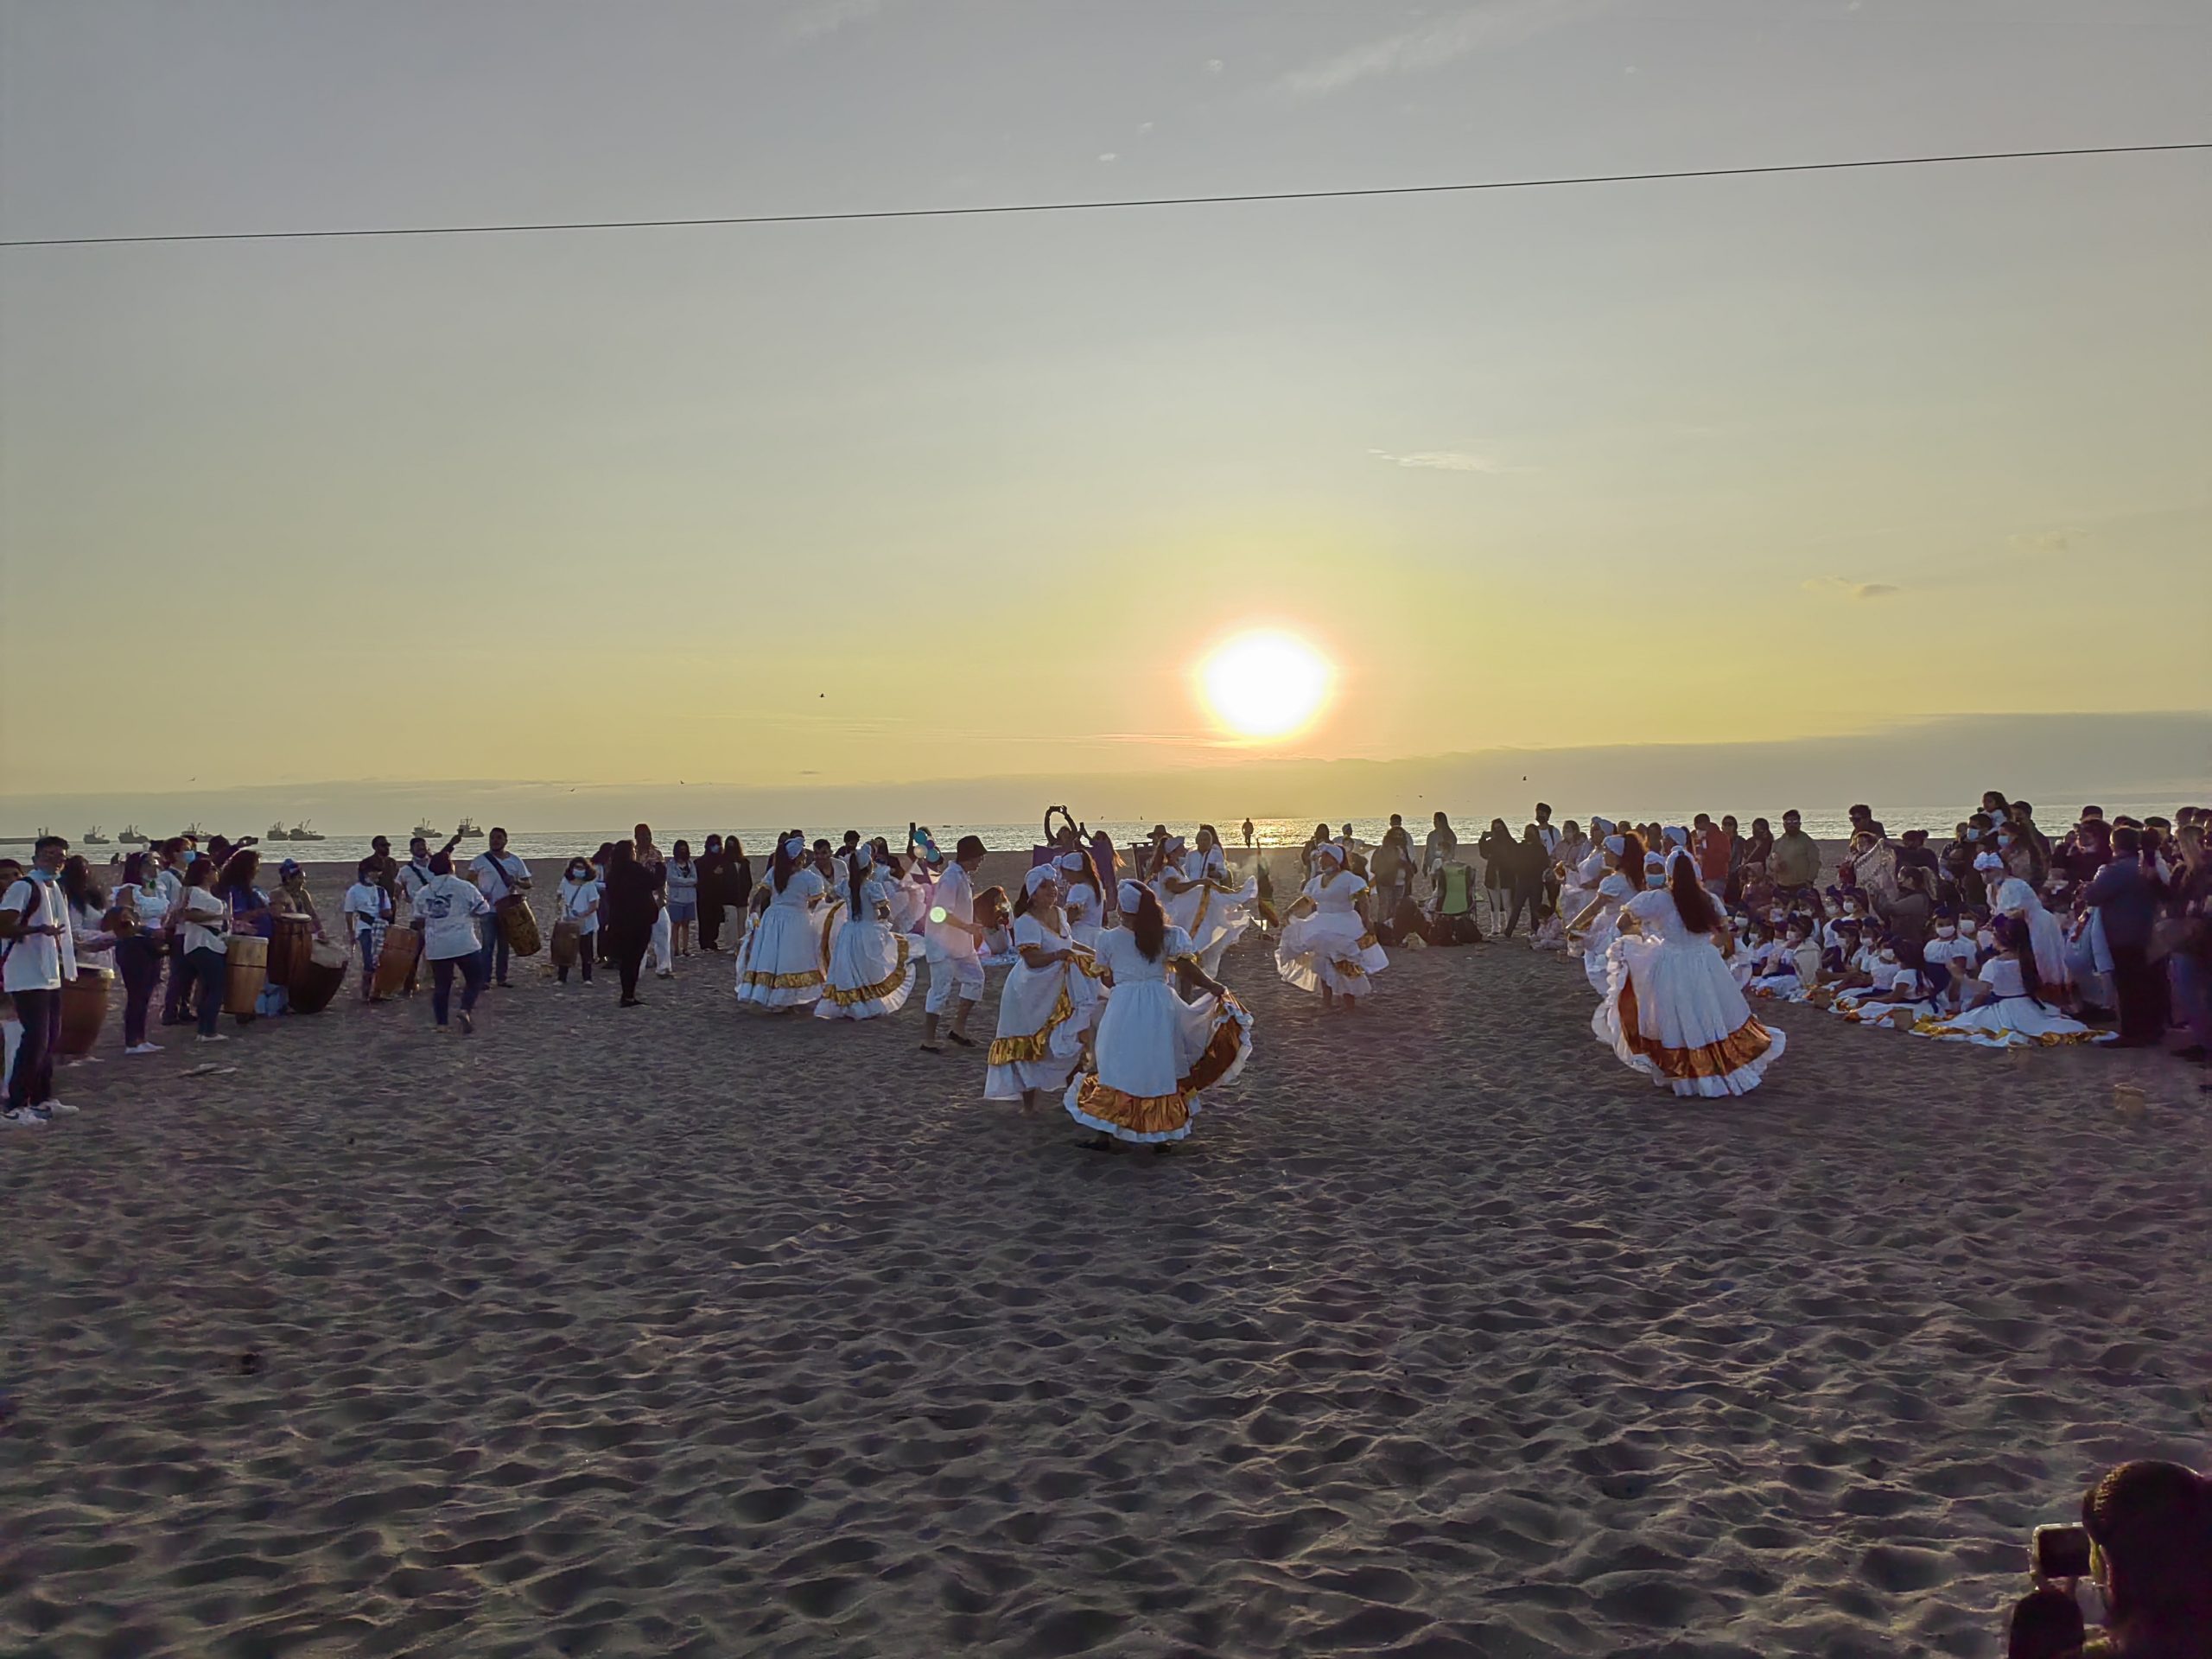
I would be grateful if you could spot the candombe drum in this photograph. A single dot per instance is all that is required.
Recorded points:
(519, 922)
(396, 960)
(84, 1010)
(245, 973)
(320, 977)
(566, 934)
(288, 943)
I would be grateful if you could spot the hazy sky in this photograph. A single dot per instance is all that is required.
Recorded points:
(1727, 459)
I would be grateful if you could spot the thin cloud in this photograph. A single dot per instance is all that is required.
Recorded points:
(818, 17)
(1447, 460)
(1837, 588)
(1471, 30)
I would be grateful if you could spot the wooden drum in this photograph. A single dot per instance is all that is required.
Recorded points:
(288, 945)
(519, 922)
(247, 973)
(321, 976)
(566, 935)
(84, 1011)
(396, 960)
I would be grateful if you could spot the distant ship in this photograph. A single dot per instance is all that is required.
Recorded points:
(93, 838)
(424, 832)
(299, 832)
(131, 837)
(468, 831)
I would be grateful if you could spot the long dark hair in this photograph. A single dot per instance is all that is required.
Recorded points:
(1149, 924)
(200, 872)
(242, 867)
(1631, 858)
(1089, 872)
(783, 864)
(1692, 902)
(134, 868)
(853, 880)
(2012, 935)
(77, 886)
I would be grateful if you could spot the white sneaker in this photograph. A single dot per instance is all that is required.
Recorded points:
(61, 1108)
(217, 1038)
(21, 1118)
(144, 1048)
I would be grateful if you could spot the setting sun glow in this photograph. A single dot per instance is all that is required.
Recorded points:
(1265, 684)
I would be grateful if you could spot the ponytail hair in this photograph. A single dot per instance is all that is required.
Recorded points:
(2012, 935)
(782, 864)
(1631, 863)
(1692, 902)
(1149, 925)
(853, 882)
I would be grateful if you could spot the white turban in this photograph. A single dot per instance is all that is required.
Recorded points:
(1329, 848)
(795, 847)
(1037, 876)
(1602, 827)
(1128, 897)
(1074, 863)
(1677, 836)
(863, 856)
(1616, 845)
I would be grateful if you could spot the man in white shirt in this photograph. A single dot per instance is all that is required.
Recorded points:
(41, 955)
(413, 876)
(952, 939)
(499, 873)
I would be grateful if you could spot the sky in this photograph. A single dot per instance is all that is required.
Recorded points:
(1725, 462)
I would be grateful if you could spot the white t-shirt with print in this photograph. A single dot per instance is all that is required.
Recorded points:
(449, 908)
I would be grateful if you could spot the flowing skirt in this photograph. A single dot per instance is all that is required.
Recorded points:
(872, 973)
(1039, 1034)
(1157, 1057)
(780, 965)
(2013, 1022)
(1214, 920)
(1672, 1011)
(1329, 950)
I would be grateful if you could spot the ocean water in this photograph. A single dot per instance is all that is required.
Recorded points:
(554, 846)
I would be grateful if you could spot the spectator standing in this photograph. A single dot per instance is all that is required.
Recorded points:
(368, 912)
(1714, 850)
(1796, 861)
(41, 955)
(1442, 848)
(203, 923)
(142, 908)
(629, 905)
(710, 898)
(2126, 897)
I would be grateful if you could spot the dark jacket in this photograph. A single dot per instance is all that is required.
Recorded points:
(2128, 895)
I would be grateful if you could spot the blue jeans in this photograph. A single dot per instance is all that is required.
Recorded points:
(492, 961)
(441, 973)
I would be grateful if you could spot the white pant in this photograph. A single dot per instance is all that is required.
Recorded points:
(664, 931)
(948, 975)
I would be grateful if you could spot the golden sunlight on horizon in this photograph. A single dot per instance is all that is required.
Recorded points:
(1265, 684)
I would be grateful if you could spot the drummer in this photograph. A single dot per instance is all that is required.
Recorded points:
(292, 897)
(41, 955)
(250, 914)
(368, 912)
(499, 873)
(414, 875)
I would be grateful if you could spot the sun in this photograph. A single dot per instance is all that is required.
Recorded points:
(1265, 684)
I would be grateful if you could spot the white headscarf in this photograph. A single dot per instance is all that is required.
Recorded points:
(1037, 876)
(795, 847)
(2016, 897)
(863, 856)
(1127, 897)
(1330, 849)
(1074, 863)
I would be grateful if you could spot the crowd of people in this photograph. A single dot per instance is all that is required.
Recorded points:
(2000, 936)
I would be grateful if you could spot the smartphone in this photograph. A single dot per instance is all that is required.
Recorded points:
(2058, 1553)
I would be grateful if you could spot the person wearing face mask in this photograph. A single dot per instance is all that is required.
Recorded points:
(576, 904)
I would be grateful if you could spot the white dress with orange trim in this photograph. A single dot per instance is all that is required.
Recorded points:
(2013, 1017)
(872, 967)
(1157, 1055)
(1214, 911)
(1330, 946)
(1673, 1010)
(1043, 1014)
(781, 967)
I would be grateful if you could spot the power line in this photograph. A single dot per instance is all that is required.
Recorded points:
(1010, 207)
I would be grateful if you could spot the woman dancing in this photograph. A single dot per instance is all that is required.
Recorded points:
(1156, 1053)
(872, 968)
(1328, 940)
(1044, 1010)
(781, 969)
(1672, 1010)
(1083, 897)
(1198, 898)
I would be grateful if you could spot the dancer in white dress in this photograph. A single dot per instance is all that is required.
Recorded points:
(1200, 899)
(872, 968)
(1327, 944)
(1672, 1010)
(1045, 1008)
(2005, 1007)
(1597, 922)
(780, 968)
(1082, 898)
(1157, 1054)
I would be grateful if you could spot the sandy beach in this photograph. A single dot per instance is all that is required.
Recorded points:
(679, 1332)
